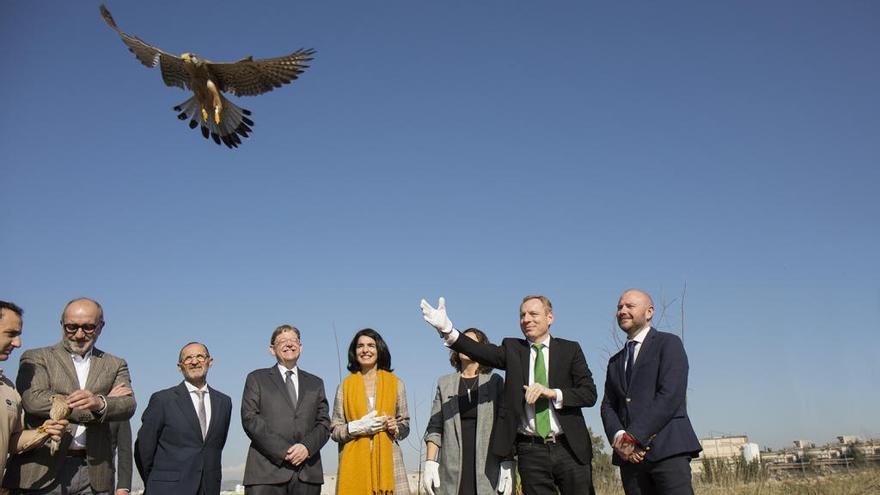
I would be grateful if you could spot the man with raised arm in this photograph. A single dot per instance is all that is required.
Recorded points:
(547, 383)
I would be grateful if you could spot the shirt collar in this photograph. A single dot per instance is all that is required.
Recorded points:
(284, 370)
(640, 337)
(546, 342)
(192, 388)
(81, 359)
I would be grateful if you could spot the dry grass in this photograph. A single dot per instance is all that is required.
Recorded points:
(864, 482)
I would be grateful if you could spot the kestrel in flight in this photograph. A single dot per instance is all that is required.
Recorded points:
(222, 120)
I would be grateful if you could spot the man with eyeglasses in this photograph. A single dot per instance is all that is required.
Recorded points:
(183, 431)
(285, 413)
(97, 390)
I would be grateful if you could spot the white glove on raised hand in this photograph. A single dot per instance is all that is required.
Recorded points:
(431, 480)
(505, 478)
(365, 425)
(437, 317)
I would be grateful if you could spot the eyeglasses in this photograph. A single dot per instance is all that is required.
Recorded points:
(200, 358)
(287, 343)
(87, 328)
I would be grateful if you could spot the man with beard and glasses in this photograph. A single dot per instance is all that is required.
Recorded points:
(86, 376)
(183, 431)
(11, 417)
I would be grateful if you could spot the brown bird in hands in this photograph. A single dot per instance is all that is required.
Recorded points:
(222, 120)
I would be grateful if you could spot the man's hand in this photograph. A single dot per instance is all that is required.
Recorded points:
(437, 317)
(55, 429)
(85, 400)
(505, 478)
(431, 480)
(626, 449)
(535, 391)
(296, 454)
(121, 390)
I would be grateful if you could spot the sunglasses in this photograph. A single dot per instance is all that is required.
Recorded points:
(87, 328)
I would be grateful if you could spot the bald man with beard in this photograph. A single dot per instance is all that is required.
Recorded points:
(644, 410)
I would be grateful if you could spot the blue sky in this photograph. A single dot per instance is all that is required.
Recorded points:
(476, 150)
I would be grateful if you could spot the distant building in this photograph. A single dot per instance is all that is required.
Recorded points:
(726, 447)
(847, 439)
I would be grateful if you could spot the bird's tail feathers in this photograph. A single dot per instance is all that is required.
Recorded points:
(234, 121)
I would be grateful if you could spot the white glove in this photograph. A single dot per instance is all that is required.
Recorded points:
(505, 478)
(367, 425)
(431, 480)
(437, 317)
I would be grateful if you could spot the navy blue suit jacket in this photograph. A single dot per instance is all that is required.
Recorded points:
(652, 409)
(170, 454)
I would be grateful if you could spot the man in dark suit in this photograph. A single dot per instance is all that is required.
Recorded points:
(644, 411)
(547, 382)
(284, 412)
(183, 431)
(75, 368)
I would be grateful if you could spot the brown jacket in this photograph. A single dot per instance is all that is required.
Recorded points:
(47, 371)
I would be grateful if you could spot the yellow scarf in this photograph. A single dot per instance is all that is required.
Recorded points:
(359, 462)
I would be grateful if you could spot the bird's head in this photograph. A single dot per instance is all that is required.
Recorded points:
(191, 58)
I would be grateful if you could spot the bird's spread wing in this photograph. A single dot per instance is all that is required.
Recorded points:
(249, 77)
(173, 69)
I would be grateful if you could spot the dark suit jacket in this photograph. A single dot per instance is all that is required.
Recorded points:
(170, 454)
(120, 434)
(268, 418)
(652, 409)
(47, 371)
(568, 372)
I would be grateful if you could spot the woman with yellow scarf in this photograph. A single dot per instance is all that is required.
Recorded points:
(369, 418)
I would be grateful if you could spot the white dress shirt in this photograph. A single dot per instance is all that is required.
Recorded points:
(192, 389)
(527, 426)
(82, 365)
(294, 377)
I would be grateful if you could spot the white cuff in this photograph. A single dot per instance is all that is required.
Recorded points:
(451, 337)
(557, 404)
(617, 435)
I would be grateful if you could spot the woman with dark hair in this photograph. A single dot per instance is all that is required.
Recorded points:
(369, 418)
(457, 438)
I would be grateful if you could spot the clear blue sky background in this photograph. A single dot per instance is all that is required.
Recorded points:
(477, 150)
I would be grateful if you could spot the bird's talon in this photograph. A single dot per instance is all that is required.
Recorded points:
(204, 115)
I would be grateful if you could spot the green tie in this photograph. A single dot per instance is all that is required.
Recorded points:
(542, 406)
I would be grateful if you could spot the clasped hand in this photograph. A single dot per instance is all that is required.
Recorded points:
(54, 428)
(370, 424)
(296, 454)
(628, 451)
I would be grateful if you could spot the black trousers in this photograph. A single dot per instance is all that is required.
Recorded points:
(293, 487)
(545, 468)
(670, 476)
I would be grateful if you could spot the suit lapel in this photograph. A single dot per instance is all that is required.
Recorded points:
(644, 351)
(449, 392)
(554, 369)
(275, 377)
(66, 362)
(525, 355)
(215, 411)
(97, 363)
(185, 403)
(303, 386)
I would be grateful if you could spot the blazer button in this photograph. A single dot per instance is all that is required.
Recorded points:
(628, 400)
